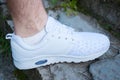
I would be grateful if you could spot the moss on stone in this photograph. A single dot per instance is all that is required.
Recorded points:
(20, 75)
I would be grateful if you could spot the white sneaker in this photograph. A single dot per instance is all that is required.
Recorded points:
(60, 44)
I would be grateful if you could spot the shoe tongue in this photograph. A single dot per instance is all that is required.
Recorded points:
(51, 25)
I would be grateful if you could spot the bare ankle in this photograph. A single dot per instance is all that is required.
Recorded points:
(29, 16)
(28, 28)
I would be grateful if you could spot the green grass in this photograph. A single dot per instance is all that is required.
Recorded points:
(69, 6)
(4, 44)
(20, 75)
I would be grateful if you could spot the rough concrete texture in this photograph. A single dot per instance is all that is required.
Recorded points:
(108, 69)
(65, 71)
(6, 69)
(109, 10)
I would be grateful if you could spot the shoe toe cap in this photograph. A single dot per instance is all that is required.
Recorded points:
(98, 43)
(92, 43)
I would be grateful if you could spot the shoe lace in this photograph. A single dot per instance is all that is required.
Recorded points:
(65, 29)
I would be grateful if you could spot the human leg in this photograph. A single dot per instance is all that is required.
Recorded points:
(29, 16)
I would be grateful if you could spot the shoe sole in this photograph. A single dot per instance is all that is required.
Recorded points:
(47, 60)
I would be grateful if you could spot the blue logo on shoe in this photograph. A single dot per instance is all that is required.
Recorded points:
(41, 62)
